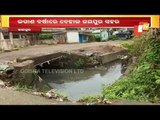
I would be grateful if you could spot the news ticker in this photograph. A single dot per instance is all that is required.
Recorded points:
(41, 23)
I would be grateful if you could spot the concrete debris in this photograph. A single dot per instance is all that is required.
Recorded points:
(51, 94)
(90, 103)
(60, 99)
(103, 101)
(89, 54)
(124, 57)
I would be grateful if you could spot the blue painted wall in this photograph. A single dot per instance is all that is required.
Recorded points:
(82, 38)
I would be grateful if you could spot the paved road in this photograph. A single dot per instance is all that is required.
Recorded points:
(45, 49)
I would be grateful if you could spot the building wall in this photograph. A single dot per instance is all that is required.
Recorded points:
(104, 36)
(60, 38)
(72, 37)
(6, 44)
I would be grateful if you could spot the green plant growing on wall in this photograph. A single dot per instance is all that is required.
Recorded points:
(79, 63)
(92, 60)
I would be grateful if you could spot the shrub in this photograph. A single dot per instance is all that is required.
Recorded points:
(113, 37)
(98, 39)
(143, 83)
(79, 63)
(44, 36)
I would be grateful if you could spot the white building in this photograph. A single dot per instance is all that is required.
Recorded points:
(72, 37)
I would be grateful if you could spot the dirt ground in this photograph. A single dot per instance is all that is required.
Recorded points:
(101, 49)
(49, 49)
(12, 97)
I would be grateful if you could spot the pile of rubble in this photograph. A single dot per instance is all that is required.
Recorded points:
(5, 73)
(51, 95)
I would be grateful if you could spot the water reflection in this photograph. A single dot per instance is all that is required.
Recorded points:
(89, 82)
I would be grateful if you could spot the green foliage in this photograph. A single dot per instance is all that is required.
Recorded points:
(113, 37)
(23, 87)
(63, 96)
(98, 39)
(134, 46)
(91, 60)
(124, 42)
(79, 63)
(43, 89)
(143, 83)
(90, 99)
(44, 36)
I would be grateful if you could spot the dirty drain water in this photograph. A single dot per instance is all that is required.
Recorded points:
(85, 82)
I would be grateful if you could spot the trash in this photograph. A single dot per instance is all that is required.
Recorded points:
(48, 62)
(3, 68)
(39, 78)
(60, 99)
(106, 101)
(124, 57)
(2, 84)
(81, 50)
(93, 103)
(124, 61)
(37, 93)
(90, 54)
(51, 94)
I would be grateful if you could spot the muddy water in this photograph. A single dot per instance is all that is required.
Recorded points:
(78, 83)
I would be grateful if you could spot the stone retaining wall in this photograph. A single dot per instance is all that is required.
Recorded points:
(109, 57)
(18, 43)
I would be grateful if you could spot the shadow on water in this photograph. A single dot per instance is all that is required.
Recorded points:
(76, 83)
